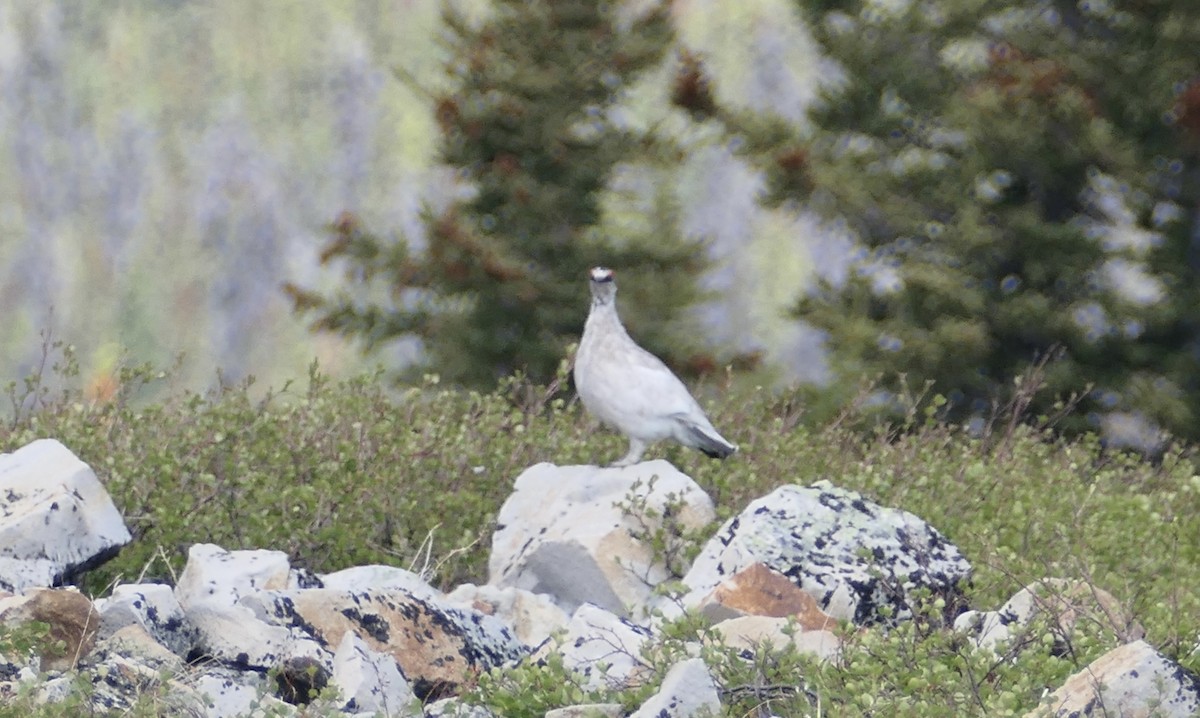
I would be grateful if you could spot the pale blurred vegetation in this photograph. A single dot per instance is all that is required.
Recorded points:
(166, 166)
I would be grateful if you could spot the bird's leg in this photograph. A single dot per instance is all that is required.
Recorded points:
(636, 448)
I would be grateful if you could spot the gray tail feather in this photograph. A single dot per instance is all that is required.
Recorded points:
(707, 440)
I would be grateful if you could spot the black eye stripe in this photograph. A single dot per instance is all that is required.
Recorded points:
(601, 274)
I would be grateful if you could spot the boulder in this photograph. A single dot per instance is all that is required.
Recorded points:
(371, 681)
(152, 607)
(211, 591)
(761, 591)
(438, 647)
(748, 633)
(601, 646)
(58, 521)
(231, 693)
(857, 558)
(532, 616)
(1064, 603)
(563, 532)
(1130, 680)
(379, 578)
(72, 618)
(688, 690)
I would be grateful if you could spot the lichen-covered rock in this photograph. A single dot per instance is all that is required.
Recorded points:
(211, 590)
(604, 648)
(532, 616)
(57, 519)
(438, 647)
(1130, 680)
(1063, 603)
(154, 608)
(563, 532)
(857, 558)
(369, 681)
(688, 690)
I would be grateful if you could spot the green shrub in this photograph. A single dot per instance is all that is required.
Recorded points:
(348, 472)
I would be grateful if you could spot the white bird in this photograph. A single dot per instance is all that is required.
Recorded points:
(630, 389)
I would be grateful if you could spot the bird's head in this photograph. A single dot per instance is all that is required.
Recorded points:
(603, 284)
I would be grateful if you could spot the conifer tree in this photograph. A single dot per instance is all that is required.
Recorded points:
(1023, 179)
(501, 285)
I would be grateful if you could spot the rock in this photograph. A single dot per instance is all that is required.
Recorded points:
(154, 608)
(588, 710)
(561, 532)
(231, 693)
(1131, 680)
(371, 681)
(1063, 602)
(380, 578)
(751, 632)
(688, 690)
(71, 617)
(235, 636)
(134, 643)
(211, 591)
(438, 647)
(820, 537)
(760, 591)
(532, 616)
(58, 521)
(602, 646)
(455, 708)
(214, 575)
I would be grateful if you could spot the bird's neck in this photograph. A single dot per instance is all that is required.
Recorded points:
(603, 316)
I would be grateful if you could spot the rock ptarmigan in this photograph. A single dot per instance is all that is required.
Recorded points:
(630, 389)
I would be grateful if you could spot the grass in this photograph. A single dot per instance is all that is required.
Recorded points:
(342, 473)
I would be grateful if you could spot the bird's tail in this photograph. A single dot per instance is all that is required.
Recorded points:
(706, 439)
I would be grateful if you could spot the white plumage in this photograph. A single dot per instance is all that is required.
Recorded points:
(630, 389)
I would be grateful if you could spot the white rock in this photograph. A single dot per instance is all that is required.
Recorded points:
(371, 681)
(820, 538)
(380, 578)
(532, 616)
(212, 591)
(214, 575)
(238, 694)
(603, 647)
(688, 690)
(1066, 601)
(153, 607)
(561, 533)
(1131, 680)
(57, 518)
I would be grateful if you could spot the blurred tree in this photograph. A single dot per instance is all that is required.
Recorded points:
(500, 285)
(1023, 179)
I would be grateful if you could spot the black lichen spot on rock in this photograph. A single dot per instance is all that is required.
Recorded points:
(373, 624)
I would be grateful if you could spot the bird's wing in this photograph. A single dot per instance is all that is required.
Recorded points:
(647, 387)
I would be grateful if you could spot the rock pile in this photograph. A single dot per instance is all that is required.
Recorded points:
(572, 574)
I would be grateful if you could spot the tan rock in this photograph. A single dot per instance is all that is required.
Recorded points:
(438, 648)
(1131, 681)
(760, 591)
(752, 632)
(73, 623)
